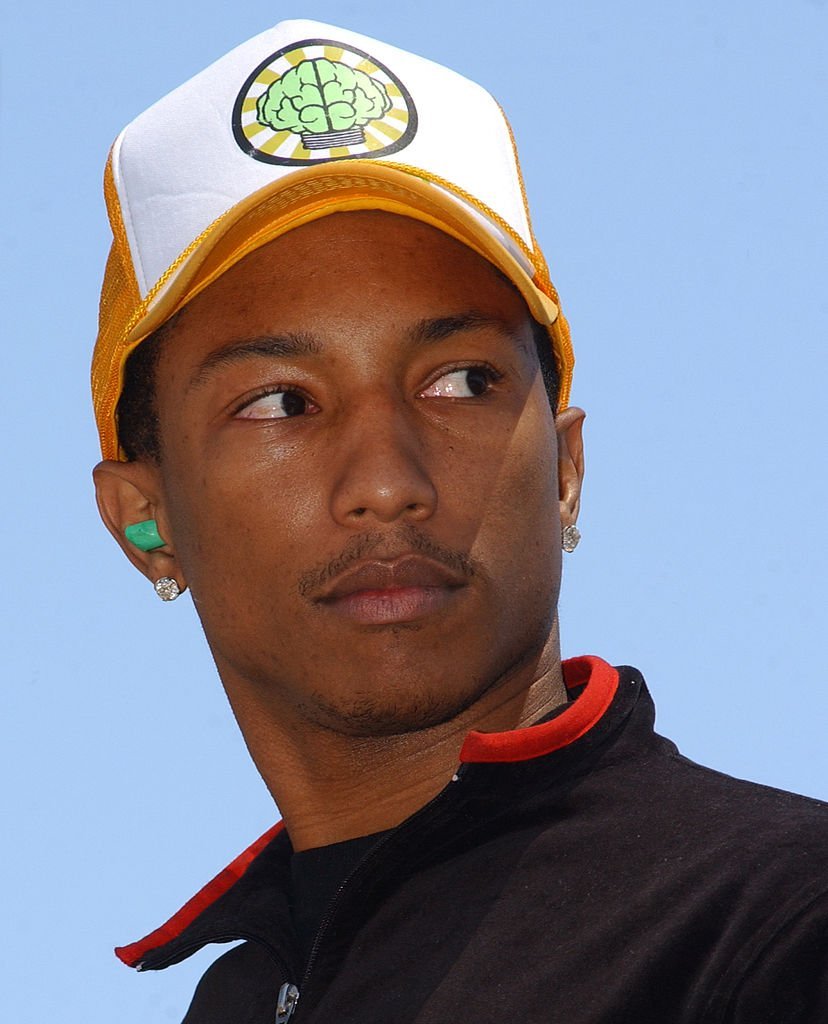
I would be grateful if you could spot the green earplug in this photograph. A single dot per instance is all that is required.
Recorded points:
(144, 536)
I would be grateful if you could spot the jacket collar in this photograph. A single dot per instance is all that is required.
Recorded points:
(255, 884)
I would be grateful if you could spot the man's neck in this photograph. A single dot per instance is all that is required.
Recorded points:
(331, 786)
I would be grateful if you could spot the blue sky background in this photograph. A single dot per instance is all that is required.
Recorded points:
(675, 157)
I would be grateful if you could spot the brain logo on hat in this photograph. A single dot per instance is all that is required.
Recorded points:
(321, 100)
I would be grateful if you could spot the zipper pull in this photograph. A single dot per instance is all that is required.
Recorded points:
(286, 1003)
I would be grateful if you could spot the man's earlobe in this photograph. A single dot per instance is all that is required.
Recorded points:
(130, 503)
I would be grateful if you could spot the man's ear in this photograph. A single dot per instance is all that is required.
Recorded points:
(569, 427)
(129, 493)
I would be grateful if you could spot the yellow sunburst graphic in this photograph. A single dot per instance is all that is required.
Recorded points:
(322, 100)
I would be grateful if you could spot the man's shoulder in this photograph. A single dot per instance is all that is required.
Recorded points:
(673, 798)
(687, 828)
(754, 811)
(647, 774)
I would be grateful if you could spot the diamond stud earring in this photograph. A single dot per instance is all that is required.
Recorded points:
(570, 535)
(167, 588)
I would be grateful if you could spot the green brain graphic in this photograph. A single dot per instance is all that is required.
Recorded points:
(319, 96)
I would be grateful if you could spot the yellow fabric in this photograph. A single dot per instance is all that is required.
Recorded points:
(301, 197)
(559, 331)
(120, 297)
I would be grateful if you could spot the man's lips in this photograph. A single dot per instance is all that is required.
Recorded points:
(378, 592)
(392, 574)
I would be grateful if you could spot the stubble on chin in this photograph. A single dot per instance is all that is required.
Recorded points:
(394, 710)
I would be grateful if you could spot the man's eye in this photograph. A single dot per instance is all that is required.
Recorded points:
(470, 382)
(276, 405)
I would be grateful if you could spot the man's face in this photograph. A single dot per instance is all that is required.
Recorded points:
(359, 474)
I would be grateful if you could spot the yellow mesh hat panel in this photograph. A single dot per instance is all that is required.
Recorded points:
(119, 300)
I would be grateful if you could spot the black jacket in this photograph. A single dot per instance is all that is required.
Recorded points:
(577, 872)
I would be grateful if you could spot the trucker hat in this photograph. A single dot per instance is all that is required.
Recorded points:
(300, 122)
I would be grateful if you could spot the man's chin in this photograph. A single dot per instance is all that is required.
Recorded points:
(391, 713)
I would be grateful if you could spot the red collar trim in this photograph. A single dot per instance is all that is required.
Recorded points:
(133, 954)
(600, 681)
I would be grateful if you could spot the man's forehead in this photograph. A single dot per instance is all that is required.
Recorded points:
(396, 267)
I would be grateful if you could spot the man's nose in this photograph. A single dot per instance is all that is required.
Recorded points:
(381, 472)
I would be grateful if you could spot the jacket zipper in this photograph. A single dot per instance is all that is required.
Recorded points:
(286, 1002)
(332, 906)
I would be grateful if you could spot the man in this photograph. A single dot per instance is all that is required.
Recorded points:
(331, 384)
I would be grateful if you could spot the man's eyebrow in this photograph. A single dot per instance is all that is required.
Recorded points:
(438, 328)
(280, 345)
(291, 344)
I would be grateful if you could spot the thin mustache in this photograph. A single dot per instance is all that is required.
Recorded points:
(406, 541)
